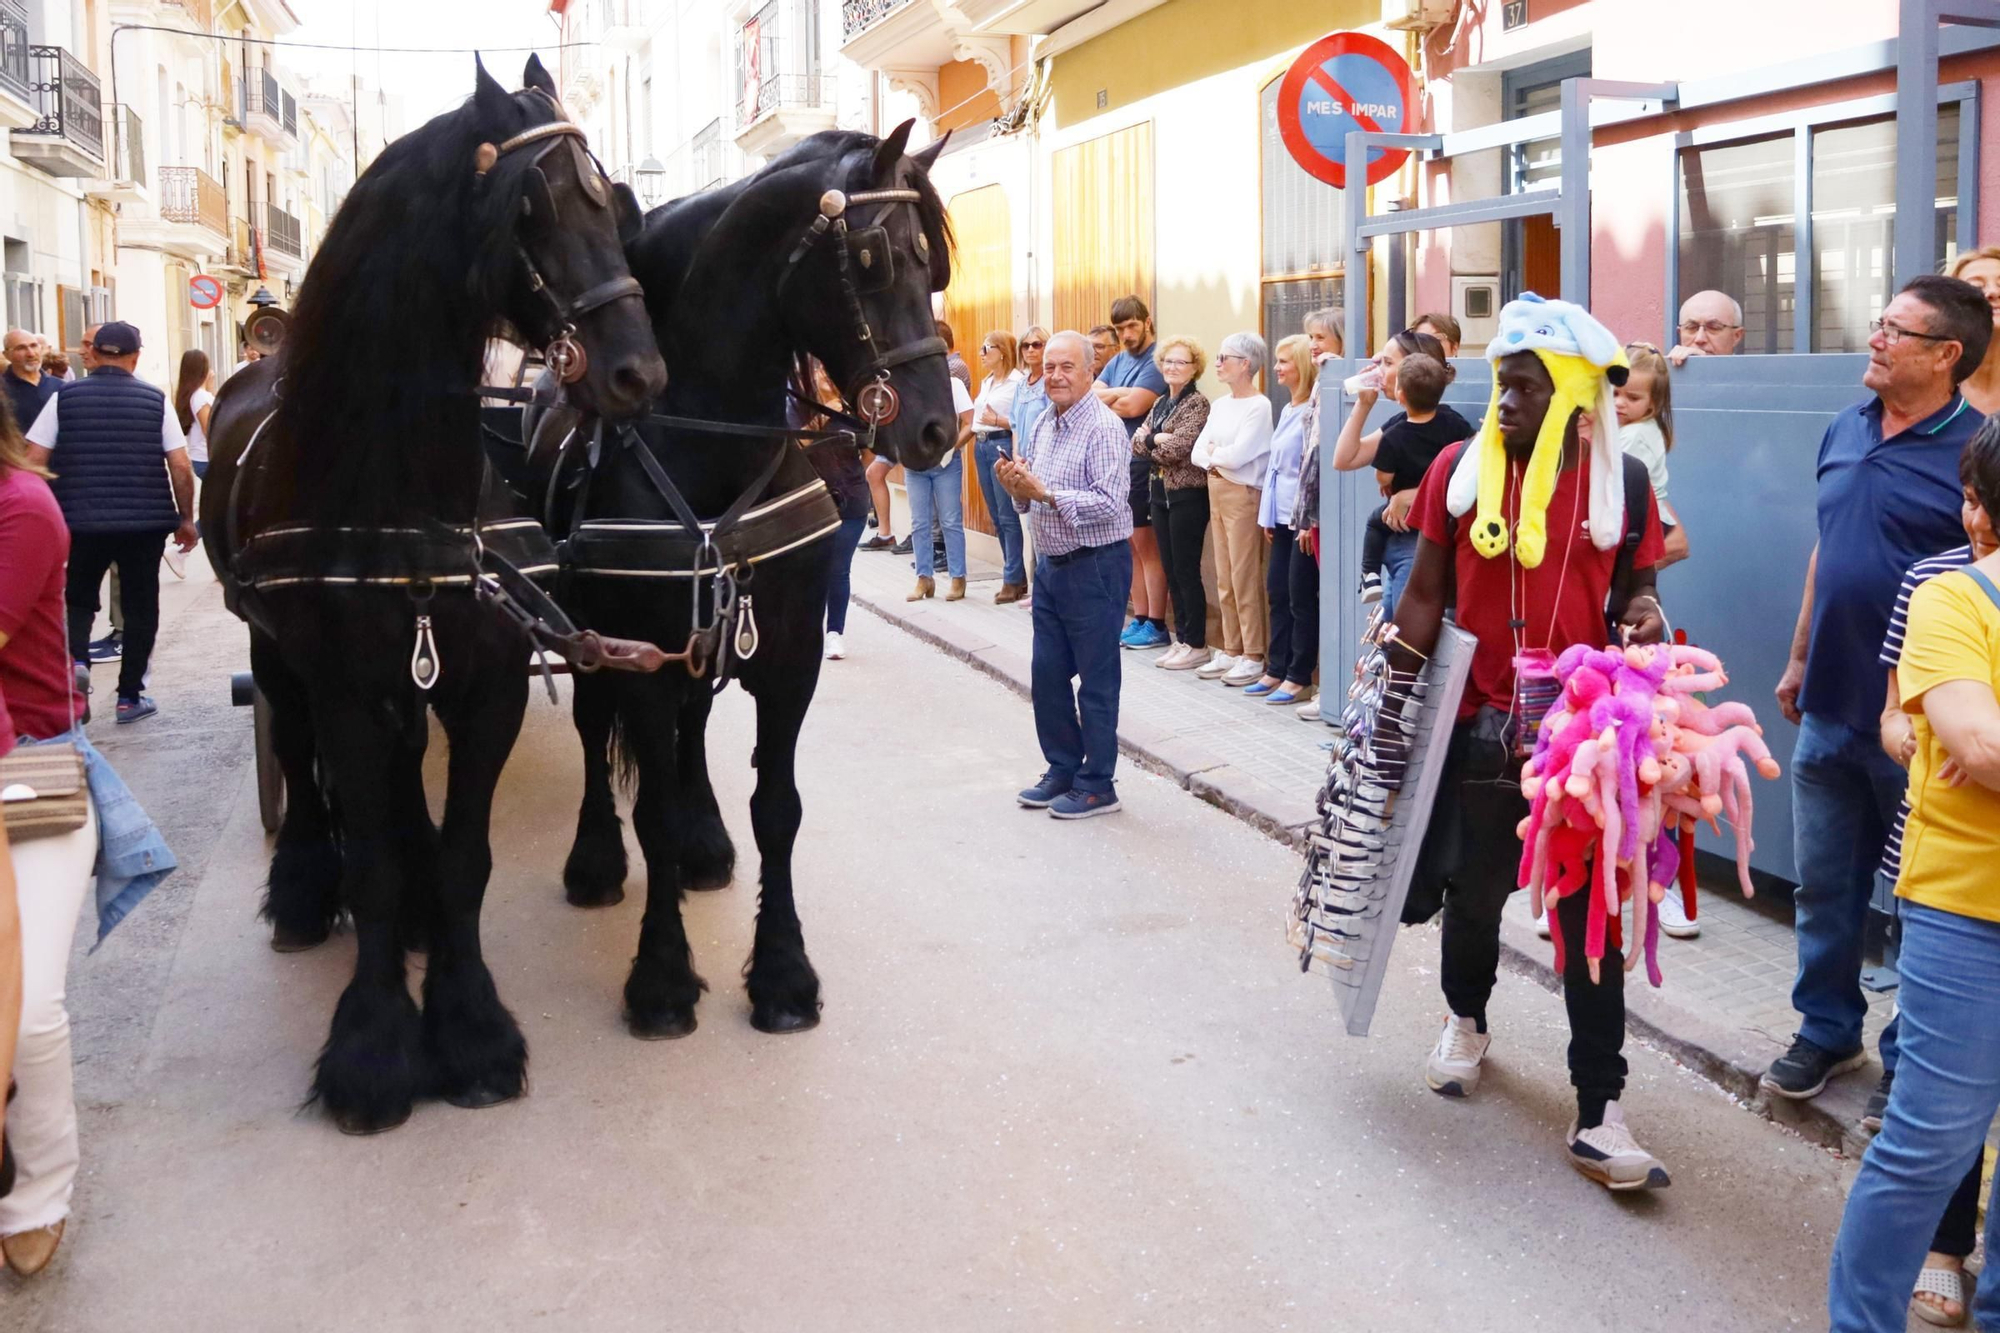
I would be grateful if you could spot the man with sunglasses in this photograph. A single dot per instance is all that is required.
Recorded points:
(1889, 496)
(1711, 324)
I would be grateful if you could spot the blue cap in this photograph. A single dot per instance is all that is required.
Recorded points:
(116, 339)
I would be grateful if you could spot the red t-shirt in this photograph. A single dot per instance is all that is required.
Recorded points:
(34, 552)
(1561, 600)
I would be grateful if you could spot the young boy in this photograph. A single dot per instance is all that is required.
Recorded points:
(1537, 556)
(1410, 441)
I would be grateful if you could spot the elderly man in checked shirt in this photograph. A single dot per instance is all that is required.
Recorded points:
(1073, 482)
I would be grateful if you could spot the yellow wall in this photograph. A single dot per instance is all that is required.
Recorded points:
(964, 96)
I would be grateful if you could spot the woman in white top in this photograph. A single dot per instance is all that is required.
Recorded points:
(192, 400)
(993, 439)
(1232, 449)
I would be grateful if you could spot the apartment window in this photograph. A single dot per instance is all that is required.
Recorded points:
(1797, 222)
(24, 293)
(1303, 268)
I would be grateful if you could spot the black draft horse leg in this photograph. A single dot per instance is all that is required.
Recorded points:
(708, 857)
(784, 989)
(661, 992)
(368, 1073)
(476, 1053)
(419, 852)
(594, 875)
(302, 900)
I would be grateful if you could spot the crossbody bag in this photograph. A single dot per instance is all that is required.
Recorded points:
(44, 791)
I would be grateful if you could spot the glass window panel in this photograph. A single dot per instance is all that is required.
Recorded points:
(1286, 305)
(1854, 224)
(1302, 225)
(1736, 230)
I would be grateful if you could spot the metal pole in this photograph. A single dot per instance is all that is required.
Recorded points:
(1574, 215)
(1916, 137)
(1803, 254)
(1399, 302)
(1354, 209)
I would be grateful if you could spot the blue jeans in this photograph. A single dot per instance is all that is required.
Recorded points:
(1845, 791)
(940, 493)
(1006, 523)
(1397, 558)
(1946, 1092)
(845, 538)
(1079, 608)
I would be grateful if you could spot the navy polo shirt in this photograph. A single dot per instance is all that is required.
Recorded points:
(1883, 506)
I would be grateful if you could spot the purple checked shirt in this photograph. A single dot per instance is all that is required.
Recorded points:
(1084, 458)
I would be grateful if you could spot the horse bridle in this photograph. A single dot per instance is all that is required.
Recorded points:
(870, 397)
(563, 353)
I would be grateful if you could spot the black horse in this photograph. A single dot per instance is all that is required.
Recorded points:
(832, 250)
(347, 514)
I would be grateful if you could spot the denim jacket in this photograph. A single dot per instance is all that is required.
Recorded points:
(132, 857)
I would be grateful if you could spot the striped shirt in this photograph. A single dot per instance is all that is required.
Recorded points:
(1892, 656)
(1084, 459)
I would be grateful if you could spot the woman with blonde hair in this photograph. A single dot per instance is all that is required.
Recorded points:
(1981, 268)
(993, 439)
(1179, 499)
(1232, 449)
(1291, 580)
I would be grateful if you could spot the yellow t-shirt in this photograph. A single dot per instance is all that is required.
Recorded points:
(1952, 842)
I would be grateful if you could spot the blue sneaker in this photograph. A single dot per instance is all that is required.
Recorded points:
(1126, 635)
(1046, 790)
(1150, 636)
(132, 710)
(1083, 804)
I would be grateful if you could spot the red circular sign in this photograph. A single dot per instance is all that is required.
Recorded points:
(1343, 82)
(204, 292)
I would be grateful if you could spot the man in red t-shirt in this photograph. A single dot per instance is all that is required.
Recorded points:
(1471, 854)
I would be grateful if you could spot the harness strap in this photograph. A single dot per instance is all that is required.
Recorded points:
(617, 289)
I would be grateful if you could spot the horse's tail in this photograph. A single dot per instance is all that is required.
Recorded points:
(624, 764)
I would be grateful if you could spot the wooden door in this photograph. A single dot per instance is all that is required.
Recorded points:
(1541, 256)
(979, 301)
(1103, 193)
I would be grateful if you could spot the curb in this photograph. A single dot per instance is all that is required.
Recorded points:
(1732, 1059)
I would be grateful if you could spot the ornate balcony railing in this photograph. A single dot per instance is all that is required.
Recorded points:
(783, 90)
(66, 94)
(15, 75)
(282, 231)
(856, 15)
(189, 194)
(262, 94)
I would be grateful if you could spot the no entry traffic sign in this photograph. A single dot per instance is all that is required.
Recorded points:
(204, 292)
(1343, 82)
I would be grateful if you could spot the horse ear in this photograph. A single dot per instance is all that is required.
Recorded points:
(927, 157)
(496, 106)
(536, 75)
(625, 207)
(892, 149)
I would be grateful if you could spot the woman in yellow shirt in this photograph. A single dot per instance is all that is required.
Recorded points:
(1947, 1086)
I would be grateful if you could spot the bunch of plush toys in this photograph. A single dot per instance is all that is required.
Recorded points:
(1625, 759)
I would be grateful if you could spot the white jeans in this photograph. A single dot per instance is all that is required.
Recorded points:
(52, 877)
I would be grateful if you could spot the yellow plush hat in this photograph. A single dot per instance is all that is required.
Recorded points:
(1583, 360)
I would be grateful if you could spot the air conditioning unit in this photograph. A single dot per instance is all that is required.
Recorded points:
(1475, 304)
(1417, 15)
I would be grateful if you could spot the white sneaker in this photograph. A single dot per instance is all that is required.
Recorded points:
(1610, 1155)
(1673, 915)
(1218, 666)
(176, 560)
(1309, 711)
(1453, 1068)
(1246, 670)
(836, 647)
(1174, 654)
(1544, 921)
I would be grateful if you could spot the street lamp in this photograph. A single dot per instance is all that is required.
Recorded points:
(652, 181)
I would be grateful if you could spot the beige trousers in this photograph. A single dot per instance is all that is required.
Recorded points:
(1238, 544)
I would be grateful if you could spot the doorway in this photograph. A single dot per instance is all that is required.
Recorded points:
(1531, 248)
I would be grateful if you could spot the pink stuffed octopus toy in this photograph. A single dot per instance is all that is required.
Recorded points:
(1624, 761)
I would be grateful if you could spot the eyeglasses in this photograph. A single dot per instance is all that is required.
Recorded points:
(1892, 334)
(1031, 344)
(1232, 356)
(1690, 327)
(1176, 361)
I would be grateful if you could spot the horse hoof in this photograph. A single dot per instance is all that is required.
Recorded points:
(290, 939)
(782, 1024)
(666, 1027)
(361, 1126)
(482, 1095)
(582, 895)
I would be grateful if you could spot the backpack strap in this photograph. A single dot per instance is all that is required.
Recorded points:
(1985, 583)
(1638, 487)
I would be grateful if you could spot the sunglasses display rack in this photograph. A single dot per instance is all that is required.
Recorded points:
(1373, 808)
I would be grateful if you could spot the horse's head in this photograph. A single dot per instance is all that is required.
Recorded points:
(567, 288)
(860, 280)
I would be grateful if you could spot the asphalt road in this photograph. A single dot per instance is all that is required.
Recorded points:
(1069, 1078)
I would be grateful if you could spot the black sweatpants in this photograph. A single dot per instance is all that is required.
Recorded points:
(137, 557)
(1291, 589)
(1181, 528)
(1472, 849)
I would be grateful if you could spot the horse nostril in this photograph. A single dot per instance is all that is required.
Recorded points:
(937, 436)
(640, 378)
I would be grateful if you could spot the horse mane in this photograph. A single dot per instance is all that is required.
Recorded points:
(390, 328)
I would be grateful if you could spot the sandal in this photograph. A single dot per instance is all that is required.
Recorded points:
(1948, 1285)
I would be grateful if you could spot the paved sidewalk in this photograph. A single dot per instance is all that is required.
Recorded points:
(1725, 1009)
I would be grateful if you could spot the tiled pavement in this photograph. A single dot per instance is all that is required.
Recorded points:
(1725, 1007)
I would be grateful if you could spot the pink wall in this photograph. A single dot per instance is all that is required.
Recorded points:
(1632, 163)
